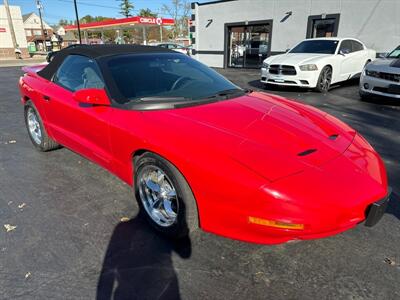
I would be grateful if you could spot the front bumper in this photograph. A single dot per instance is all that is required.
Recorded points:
(329, 199)
(377, 86)
(306, 79)
(376, 210)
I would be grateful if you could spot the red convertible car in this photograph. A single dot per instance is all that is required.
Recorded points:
(202, 152)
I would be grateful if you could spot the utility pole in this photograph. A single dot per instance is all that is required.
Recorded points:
(10, 24)
(77, 22)
(39, 7)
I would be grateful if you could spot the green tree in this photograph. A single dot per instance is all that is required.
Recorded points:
(126, 7)
(146, 12)
(64, 22)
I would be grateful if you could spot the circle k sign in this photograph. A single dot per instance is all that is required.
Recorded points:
(144, 20)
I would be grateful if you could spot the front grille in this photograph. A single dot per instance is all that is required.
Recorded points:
(385, 76)
(282, 69)
(385, 90)
(282, 81)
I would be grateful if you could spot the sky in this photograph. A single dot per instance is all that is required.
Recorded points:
(54, 10)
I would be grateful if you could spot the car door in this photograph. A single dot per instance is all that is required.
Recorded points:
(350, 59)
(346, 64)
(360, 56)
(82, 128)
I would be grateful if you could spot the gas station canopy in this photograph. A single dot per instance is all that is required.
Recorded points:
(122, 23)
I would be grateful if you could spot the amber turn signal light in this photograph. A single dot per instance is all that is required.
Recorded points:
(276, 224)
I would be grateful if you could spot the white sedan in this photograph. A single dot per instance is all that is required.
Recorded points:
(175, 47)
(317, 63)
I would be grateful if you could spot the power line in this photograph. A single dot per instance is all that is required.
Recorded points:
(158, 11)
(90, 4)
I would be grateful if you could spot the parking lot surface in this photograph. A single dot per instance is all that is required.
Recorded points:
(65, 231)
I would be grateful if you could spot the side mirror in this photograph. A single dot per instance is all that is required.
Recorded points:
(92, 96)
(344, 51)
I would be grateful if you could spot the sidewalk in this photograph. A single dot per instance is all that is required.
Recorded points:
(12, 62)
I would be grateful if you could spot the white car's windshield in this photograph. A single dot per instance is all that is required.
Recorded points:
(316, 46)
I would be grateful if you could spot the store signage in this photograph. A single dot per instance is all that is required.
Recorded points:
(2, 29)
(144, 20)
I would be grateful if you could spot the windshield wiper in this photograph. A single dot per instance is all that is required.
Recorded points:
(225, 93)
(164, 98)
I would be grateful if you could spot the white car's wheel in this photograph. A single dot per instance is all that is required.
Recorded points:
(324, 80)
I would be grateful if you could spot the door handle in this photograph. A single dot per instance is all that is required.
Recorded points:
(47, 98)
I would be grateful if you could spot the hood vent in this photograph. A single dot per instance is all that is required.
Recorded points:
(333, 137)
(307, 152)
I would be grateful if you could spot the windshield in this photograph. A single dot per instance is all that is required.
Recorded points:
(395, 53)
(162, 77)
(316, 46)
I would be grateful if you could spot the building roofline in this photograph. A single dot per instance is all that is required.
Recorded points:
(26, 16)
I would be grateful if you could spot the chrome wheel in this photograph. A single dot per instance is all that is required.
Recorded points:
(158, 195)
(34, 126)
(325, 79)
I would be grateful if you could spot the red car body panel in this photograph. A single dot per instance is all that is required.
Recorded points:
(241, 157)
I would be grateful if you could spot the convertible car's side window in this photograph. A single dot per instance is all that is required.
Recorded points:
(78, 72)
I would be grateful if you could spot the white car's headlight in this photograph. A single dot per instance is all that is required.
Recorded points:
(309, 67)
(265, 65)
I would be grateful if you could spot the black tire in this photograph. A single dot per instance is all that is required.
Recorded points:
(324, 80)
(46, 143)
(187, 217)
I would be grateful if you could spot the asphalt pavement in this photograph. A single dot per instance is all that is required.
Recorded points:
(69, 229)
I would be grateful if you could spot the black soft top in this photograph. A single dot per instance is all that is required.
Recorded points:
(95, 52)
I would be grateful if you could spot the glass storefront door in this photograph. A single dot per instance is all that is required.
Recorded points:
(248, 45)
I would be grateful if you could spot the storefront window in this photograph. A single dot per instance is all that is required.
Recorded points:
(323, 26)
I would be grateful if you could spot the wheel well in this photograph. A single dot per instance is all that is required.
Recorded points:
(25, 99)
(329, 66)
(140, 152)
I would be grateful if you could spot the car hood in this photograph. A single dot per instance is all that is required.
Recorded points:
(272, 136)
(295, 58)
(385, 64)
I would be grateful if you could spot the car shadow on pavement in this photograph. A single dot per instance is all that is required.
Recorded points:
(394, 206)
(270, 87)
(382, 101)
(138, 264)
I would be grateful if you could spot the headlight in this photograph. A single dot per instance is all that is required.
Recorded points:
(265, 65)
(310, 67)
(371, 73)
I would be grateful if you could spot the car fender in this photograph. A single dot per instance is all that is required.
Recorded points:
(333, 62)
